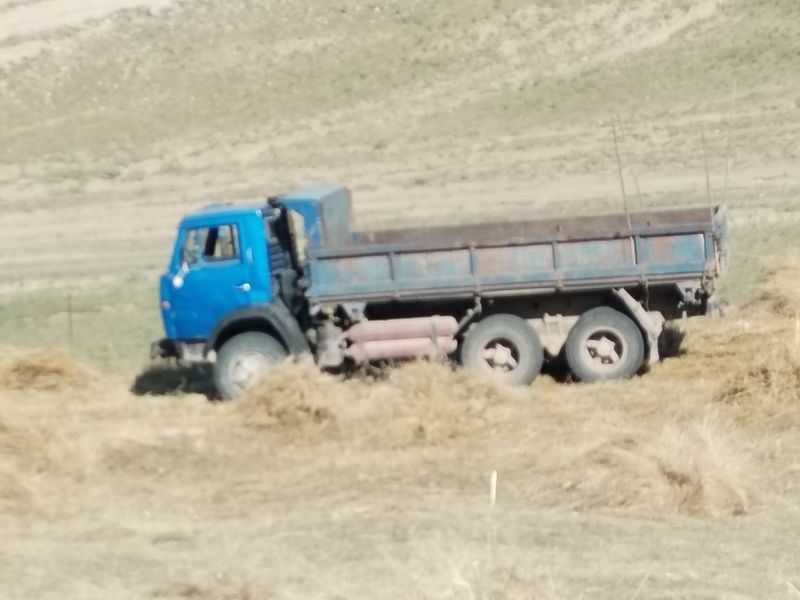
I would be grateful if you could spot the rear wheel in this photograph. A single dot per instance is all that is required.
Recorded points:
(504, 347)
(243, 360)
(604, 344)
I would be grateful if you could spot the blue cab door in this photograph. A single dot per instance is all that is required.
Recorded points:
(214, 274)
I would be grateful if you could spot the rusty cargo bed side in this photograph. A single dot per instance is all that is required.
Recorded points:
(518, 258)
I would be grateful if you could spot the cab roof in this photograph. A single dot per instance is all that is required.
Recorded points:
(319, 195)
(211, 214)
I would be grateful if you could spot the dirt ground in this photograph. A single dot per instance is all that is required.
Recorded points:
(117, 116)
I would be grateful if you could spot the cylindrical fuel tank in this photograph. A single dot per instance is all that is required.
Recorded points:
(397, 349)
(402, 329)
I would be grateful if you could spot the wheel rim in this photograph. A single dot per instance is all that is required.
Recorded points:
(500, 355)
(605, 348)
(246, 369)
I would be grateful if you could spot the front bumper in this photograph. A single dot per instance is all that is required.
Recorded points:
(190, 352)
(164, 349)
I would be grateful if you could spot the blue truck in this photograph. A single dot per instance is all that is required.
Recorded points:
(249, 286)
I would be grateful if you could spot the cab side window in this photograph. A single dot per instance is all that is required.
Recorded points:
(211, 244)
(222, 243)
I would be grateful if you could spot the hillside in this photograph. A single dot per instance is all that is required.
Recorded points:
(128, 113)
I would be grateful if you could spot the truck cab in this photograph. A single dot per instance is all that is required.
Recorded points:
(238, 269)
(216, 268)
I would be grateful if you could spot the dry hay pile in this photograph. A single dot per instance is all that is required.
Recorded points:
(762, 366)
(747, 363)
(30, 456)
(766, 392)
(415, 403)
(680, 469)
(432, 402)
(582, 455)
(294, 396)
(41, 370)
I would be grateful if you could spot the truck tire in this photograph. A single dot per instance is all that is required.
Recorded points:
(603, 345)
(243, 359)
(504, 347)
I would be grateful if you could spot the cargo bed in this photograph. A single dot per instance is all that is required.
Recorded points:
(521, 258)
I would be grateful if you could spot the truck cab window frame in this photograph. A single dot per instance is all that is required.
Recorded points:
(211, 245)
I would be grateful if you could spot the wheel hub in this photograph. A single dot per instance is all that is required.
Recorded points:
(247, 368)
(605, 348)
(499, 356)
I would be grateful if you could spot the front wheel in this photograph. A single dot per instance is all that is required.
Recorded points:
(504, 347)
(243, 360)
(604, 344)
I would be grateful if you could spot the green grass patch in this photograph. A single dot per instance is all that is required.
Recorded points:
(751, 248)
(110, 326)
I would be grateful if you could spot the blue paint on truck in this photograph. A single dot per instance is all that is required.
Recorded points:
(217, 267)
(293, 270)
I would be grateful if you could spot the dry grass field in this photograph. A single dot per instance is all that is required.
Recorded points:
(118, 480)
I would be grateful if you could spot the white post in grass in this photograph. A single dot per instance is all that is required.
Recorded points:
(493, 489)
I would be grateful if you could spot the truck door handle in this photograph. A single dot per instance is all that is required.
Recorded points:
(243, 287)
